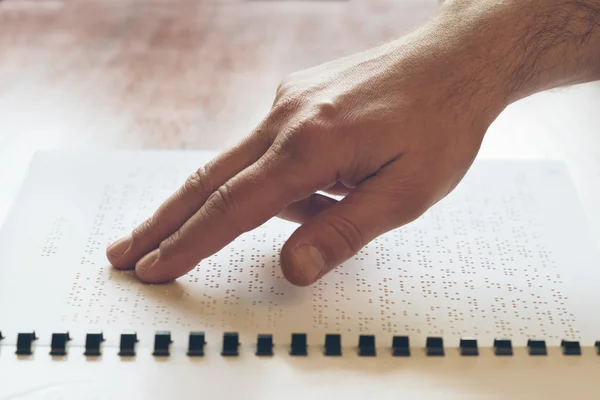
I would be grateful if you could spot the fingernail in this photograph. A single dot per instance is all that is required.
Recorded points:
(146, 263)
(118, 248)
(309, 260)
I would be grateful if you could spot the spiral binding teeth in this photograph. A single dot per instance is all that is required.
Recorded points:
(24, 342)
(434, 346)
(58, 346)
(333, 345)
(231, 344)
(162, 342)
(196, 344)
(468, 347)
(536, 347)
(570, 348)
(127, 344)
(503, 347)
(366, 346)
(298, 346)
(400, 346)
(264, 346)
(93, 343)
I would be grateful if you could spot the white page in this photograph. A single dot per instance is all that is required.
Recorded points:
(508, 254)
(452, 377)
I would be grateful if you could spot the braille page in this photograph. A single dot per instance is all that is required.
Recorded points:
(507, 254)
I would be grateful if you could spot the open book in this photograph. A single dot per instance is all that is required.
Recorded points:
(506, 262)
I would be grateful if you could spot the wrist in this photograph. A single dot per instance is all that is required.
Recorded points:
(520, 47)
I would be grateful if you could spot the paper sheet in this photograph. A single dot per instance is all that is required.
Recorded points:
(507, 254)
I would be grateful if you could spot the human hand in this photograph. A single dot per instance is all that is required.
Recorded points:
(393, 129)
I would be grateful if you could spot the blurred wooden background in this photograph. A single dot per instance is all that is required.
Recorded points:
(164, 73)
(201, 73)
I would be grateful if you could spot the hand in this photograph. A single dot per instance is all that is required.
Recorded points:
(393, 129)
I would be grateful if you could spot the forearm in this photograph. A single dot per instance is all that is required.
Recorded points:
(513, 48)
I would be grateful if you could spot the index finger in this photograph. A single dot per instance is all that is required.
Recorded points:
(241, 204)
(186, 201)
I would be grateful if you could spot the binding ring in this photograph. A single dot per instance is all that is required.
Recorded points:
(332, 347)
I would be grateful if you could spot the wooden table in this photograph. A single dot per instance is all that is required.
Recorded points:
(164, 74)
(201, 73)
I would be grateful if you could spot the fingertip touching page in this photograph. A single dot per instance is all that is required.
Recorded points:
(507, 254)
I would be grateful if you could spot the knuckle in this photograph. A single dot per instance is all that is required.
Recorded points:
(351, 234)
(142, 230)
(284, 86)
(285, 106)
(222, 202)
(292, 148)
(303, 139)
(199, 183)
(288, 81)
(280, 88)
(325, 110)
(169, 243)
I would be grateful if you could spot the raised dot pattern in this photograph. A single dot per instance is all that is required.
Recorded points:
(475, 265)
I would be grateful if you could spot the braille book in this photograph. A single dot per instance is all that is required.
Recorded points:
(490, 294)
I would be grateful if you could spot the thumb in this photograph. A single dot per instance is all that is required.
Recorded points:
(339, 232)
